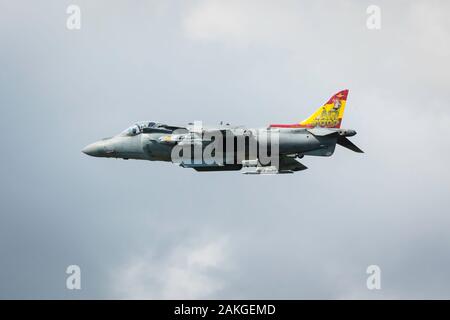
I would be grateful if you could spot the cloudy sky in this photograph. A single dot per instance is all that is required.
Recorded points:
(153, 230)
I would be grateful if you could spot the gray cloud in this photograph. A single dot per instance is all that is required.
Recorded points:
(188, 271)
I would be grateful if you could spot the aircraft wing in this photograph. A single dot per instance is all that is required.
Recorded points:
(172, 128)
(162, 128)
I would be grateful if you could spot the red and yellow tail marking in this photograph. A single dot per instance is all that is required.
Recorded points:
(327, 116)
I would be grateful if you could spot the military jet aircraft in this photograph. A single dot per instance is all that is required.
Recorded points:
(234, 147)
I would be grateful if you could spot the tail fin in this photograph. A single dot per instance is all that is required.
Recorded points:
(330, 114)
(327, 116)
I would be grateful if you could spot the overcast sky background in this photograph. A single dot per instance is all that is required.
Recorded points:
(141, 229)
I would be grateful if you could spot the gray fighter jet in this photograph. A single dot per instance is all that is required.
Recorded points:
(270, 150)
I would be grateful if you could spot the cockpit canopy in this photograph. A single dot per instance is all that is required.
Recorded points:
(139, 128)
(150, 127)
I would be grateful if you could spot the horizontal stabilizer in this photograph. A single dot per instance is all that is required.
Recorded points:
(343, 141)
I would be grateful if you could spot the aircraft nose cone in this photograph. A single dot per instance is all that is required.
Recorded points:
(94, 149)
